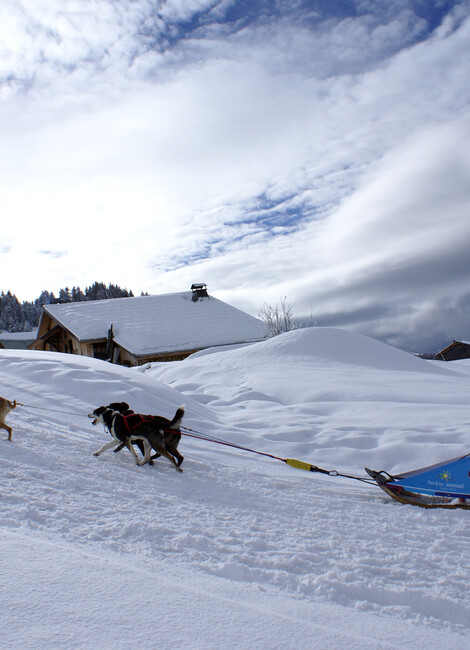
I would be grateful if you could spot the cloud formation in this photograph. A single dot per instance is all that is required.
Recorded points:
(317, 150)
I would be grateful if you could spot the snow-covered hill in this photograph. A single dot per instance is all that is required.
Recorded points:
(239, 551)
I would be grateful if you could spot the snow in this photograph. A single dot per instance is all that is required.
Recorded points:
(19, 336)
(239, 551)
(163, 323)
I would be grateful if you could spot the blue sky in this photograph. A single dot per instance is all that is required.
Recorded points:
(313, 150)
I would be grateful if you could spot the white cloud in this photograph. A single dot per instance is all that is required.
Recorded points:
(322, 160)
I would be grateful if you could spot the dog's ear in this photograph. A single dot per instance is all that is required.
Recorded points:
(119, 406)
(100, 410)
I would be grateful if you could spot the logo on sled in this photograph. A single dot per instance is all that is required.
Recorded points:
(445, 476)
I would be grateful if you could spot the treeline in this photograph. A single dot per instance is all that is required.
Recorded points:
(23, 317)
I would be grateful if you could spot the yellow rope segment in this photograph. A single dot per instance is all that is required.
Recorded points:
(298, 463)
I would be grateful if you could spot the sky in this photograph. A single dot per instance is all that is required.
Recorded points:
(313, 150)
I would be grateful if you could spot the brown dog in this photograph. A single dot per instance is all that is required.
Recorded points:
(5, 408)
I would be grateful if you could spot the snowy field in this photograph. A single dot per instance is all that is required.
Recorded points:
(239, 551)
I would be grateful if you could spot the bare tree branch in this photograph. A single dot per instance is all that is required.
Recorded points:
(278, 319)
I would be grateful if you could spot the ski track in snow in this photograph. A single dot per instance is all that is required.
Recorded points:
(249, 521)
(236, 514)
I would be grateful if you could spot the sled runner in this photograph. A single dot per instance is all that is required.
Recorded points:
(444, 485)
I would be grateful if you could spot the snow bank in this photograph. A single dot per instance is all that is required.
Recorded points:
(301, 393)
(336, 346)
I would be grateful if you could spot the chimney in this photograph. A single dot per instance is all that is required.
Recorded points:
(199, 291)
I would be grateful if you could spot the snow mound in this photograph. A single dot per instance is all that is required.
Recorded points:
(88, 383)
(327, 393)
(335, 345)
(307, 366)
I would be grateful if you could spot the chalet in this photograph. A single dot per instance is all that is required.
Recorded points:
(17, 340)
(456, 350)
(133, 331)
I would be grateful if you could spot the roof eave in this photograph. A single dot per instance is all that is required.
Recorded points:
(191, 350)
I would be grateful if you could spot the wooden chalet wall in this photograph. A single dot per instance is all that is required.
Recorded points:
(55, 338)
(456, 350)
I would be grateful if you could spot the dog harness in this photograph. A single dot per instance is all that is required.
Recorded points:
(132, 421)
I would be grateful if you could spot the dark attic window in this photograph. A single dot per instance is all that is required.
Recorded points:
(199, 291)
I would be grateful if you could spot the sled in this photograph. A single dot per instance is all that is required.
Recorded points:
(444, 485)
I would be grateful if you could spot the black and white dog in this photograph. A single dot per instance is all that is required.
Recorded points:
(171, 437)
(154, 431)
(124, 409)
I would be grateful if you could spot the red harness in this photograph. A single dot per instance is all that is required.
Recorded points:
(132, 421)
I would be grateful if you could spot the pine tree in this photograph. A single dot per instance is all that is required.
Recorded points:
(23, 317)
(64, 295)
(77, 295)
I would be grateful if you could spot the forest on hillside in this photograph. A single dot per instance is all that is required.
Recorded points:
(24, 317)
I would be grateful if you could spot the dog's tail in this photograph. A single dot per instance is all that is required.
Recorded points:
(178, 418)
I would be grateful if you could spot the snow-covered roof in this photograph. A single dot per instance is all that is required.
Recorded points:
(17, 340)
(160, 324)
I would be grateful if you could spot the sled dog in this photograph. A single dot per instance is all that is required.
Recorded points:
(5, 407)
(154, 431)
(171, 437)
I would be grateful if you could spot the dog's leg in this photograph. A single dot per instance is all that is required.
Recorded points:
(7, 428)
(171, 459)
(108, 445)
(145, 451)
(147, 448)
(175, 454)
(163, 452)
(171, 445)
(130, 446)
(179, 457)
(141, 445)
